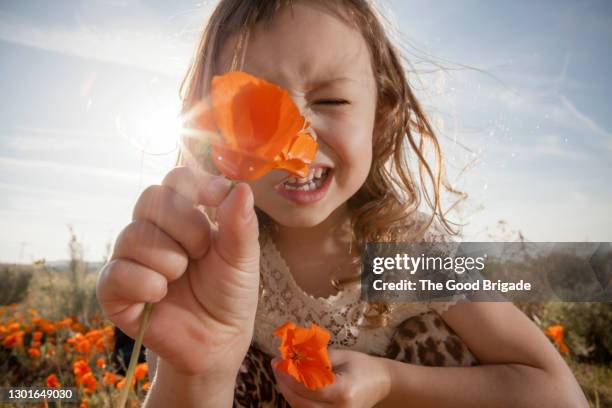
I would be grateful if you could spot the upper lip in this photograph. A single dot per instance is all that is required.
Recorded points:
(312, 166)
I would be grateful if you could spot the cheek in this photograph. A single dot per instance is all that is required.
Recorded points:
(351, 141)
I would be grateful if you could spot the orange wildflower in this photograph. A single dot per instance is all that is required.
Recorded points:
(36, 344)
(14, 339)
(121, 383)
(100, 362)
(101, 344)
(47, 326)
(77, 327)
(80, 368)
(556, 334)
(52, 381)
(65, 322)
(12, 327)
(37, 335)
(89, 382)
(34, 352)
(94, 335)
(146, 386)
(141, 371)
(110, 378)
(83, 347)
(84, 404)
(81, 343)
(256, 127)
(304, 354)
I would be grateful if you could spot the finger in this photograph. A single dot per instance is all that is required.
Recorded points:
(145, 243)
(320, 395)
(197, 186)
(176, 216)
(296, 400)
(237, 237)
(123, 287)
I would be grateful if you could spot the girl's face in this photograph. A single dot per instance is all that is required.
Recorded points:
(325, 65)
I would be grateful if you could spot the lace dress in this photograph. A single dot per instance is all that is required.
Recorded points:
(415, 333)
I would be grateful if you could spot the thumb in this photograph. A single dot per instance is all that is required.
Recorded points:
(237, 237)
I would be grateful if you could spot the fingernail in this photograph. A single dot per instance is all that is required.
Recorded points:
(219, 185)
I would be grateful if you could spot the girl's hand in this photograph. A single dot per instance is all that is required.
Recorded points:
(361, 382)
(203, 280)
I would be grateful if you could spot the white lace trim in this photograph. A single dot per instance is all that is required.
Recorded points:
(282, 299)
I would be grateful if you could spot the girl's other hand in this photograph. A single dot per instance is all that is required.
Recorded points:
(203, 279)
(361, 382)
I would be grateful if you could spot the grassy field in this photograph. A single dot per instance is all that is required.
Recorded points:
(52, 333)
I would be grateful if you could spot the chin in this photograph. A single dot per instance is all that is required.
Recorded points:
(298, 217)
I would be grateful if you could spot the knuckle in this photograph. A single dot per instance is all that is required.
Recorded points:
(114, 269)
(176, 174)
(147, 199)
(136, 233)
(139, 232)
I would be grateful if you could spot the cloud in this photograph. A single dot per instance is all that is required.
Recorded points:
(143, 47)
(49, 166)
(586, 120)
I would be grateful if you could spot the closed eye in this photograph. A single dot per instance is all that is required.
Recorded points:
(332, 102)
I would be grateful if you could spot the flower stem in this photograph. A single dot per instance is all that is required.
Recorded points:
(232, 185)
(125, 392)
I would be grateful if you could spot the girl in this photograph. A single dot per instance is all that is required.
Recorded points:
(270, 256)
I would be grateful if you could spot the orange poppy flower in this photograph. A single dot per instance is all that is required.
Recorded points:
(65, 322)
(121, 383)
(80, 368)
(304, 354)
(556, 334)
(141, 371)
(110, 378)
(14, 339)
(90, 382)
(100, 362)
(34, 352)
(52, 381)
(146, 386)
(13, 327)
(37, 335)
(256, 127)
(47, 327)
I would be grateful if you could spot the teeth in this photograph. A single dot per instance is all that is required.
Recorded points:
(311, 182)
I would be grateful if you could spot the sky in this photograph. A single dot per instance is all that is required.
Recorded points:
(90, 96)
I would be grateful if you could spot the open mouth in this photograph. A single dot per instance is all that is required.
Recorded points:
(308, 189)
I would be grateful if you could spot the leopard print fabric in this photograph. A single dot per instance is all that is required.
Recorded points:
(255, 384)
(414, 341)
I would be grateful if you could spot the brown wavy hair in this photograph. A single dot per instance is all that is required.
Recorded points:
(390, 198)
